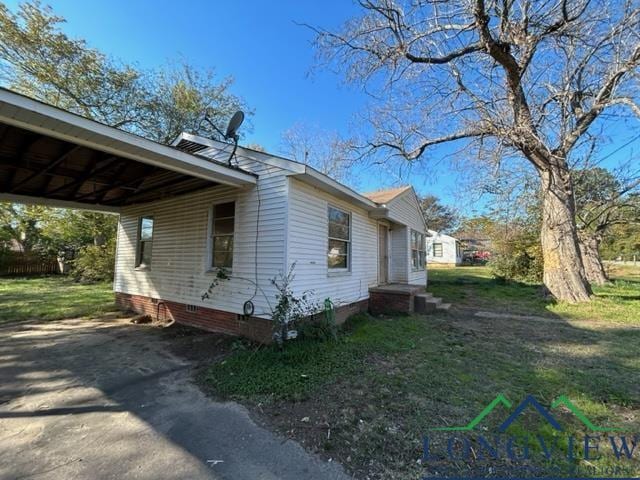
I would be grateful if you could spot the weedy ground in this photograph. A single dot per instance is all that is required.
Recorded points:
(369, 398)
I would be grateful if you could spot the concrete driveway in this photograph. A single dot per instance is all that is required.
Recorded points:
(104, 399)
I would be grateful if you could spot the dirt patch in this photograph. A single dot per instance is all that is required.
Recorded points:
(332, 425)
(198, 346)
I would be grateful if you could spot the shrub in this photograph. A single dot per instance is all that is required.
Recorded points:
(320, 326)
(523, 264)
(95, 263)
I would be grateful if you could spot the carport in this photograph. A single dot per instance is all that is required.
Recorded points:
(99, 399)
(52, 157)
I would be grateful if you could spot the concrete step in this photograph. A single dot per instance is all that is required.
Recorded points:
(443, 306)
(427, 295)
(422, 304)
(425, 303)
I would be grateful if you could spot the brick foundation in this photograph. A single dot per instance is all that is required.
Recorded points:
(345, 311)
(393, 299)
(390, 303)
(258, 329)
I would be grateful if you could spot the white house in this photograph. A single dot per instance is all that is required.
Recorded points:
(186, 212)
(443, 249)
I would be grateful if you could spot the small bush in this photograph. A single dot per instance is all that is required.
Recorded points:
(523, 265)
(318, 327)
(95, 263)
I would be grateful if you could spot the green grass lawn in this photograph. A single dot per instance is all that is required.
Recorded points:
(368, 399)
(474, 287)
(52, 298)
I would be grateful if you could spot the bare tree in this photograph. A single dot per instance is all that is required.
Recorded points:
(530, 78)
(322, 149)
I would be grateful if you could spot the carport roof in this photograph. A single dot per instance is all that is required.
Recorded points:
(51, 156)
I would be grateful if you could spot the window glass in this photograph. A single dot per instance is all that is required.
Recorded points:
(145, 242)
(222, 232)
(339, 236)
(418, 252)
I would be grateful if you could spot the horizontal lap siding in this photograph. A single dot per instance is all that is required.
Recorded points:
(307, 247)
(180, 252)
(405, 209)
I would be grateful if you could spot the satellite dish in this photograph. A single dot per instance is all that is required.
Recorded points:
(232, 130)
(234, 125)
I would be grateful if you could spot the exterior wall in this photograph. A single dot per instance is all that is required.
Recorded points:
(405, 210)
(449, 249)
(179, 267)
(307, 247)
(286, 221)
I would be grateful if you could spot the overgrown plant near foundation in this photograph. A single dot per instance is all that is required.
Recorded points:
(290, 311)
(321, 326)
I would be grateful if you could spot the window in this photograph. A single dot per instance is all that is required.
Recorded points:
(145, 242)
(418, 251)
(222, 229)
(437, 249)
(339, 239)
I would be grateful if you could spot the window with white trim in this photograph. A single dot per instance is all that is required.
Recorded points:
(339, 251)
(145, 242)
(437, 250)
(418, 250)
(222, 231)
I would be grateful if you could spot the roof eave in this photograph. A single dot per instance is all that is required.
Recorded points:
(319, 180)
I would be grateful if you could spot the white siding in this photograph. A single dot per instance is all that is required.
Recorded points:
(293, 227)
(449, 251)
(179, 270)
(405, 210)
(307, 246)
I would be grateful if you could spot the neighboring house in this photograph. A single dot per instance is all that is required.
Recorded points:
(443, 249)
(185, 213)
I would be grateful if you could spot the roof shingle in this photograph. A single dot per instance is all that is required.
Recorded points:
(385, 196)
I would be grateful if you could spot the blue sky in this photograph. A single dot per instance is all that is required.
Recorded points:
(261, 46)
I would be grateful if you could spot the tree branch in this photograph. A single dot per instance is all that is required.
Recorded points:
(444, 58)
(603, 99)
(418, 151)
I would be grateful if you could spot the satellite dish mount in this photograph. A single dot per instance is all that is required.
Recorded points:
(232, 130)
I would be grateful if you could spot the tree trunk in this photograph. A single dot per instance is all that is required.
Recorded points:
(564, 273)
(593, 267)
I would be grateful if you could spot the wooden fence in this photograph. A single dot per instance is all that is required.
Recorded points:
(21, 264)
